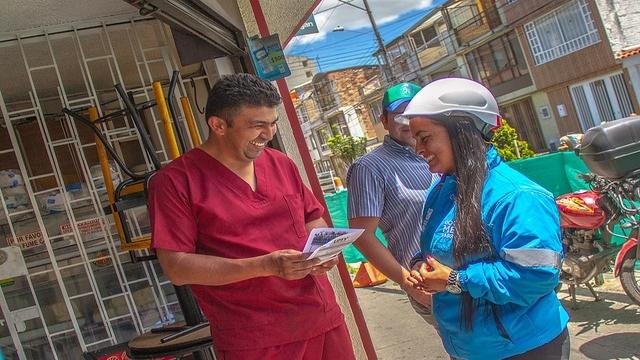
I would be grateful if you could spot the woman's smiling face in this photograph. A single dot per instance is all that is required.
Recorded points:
(433, 144)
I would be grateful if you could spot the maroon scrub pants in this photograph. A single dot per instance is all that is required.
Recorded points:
(334, 344)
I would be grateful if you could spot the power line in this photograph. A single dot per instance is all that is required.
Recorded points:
(323, 24)
(366, 52)
(335, 60)
(388, 26)
(327, 9)
(338, 55)
(470, 22)
(438, 37)
(413, 60)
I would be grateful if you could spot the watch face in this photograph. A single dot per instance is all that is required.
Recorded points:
(454, 289)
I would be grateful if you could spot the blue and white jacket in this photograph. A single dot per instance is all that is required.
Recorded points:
(522, 222)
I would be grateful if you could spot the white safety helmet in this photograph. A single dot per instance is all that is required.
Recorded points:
(456, 97)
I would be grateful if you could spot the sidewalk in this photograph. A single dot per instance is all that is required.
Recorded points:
(609, 329)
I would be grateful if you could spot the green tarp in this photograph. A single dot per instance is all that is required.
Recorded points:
(556, 172)
(337, 204)
(544, 170)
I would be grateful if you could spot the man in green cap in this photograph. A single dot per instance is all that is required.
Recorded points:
(387, 189)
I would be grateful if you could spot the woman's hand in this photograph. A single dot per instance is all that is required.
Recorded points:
(436, 279)
(324, 267)
(415, 279)
(419, 295)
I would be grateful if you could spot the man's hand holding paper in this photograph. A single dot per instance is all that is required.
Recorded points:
(326, 243)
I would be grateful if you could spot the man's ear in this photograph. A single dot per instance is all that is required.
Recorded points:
(217, 125)
(383, 120)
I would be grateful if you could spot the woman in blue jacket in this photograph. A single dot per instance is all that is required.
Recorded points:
(490, 246)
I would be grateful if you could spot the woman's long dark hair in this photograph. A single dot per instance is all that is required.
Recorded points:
(470, 237)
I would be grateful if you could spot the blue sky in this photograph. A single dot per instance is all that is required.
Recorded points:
(355, 45)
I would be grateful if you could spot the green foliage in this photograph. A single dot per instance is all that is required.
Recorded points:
(347, 148)
(503, 140)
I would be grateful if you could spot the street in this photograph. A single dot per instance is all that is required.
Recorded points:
(608, 329)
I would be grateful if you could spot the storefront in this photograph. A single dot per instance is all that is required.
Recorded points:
(74, 289)
(80, 292)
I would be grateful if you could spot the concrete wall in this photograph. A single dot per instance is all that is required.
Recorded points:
(548, 125)
(347, 85)
(302, 70)
(621, 20)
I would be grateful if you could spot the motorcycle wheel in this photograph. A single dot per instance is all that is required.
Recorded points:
(630, 275)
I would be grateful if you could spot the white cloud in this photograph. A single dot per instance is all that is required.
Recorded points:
(351, 18)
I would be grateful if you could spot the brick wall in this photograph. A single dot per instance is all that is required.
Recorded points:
(520, 11)
(347, 85)
(581, 64)
(570, 123)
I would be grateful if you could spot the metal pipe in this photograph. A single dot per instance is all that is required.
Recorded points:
(174, 152)
(172, 111)
(191, 123)
(106, 174)
(144, 136)
(103, 141)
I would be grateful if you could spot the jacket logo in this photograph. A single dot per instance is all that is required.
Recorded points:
(447, 229)
(426, 218)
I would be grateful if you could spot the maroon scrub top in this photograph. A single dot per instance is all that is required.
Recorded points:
(197, 205)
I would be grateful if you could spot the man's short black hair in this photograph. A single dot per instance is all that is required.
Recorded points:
(233, 91)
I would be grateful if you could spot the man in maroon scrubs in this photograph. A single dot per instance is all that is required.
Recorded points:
(230, 218)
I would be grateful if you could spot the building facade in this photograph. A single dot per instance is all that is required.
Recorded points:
(333, 104)
(621, 21)
(548, 63)
(302, 69)
(570, 60)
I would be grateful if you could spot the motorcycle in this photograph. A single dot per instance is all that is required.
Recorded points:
(588, 218)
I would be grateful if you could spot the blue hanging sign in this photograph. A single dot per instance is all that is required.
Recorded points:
(268, 58)
(309, 27)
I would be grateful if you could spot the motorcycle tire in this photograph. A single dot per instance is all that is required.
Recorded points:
(628, 274)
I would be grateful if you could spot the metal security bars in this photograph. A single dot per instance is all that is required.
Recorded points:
(81, 292)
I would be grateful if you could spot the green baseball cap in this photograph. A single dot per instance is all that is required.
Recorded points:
(399, 94)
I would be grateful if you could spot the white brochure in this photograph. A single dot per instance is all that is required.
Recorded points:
(327, 243)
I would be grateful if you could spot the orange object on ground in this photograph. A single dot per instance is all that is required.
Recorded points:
(368, 275)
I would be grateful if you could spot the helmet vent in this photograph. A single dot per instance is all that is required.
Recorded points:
(463, 98)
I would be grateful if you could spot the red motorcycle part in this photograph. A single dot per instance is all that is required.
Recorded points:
(629, 245)
(580, 210)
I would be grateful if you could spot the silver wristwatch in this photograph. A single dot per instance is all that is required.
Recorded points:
(453, 283)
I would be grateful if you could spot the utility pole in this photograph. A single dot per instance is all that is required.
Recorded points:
(386, 67)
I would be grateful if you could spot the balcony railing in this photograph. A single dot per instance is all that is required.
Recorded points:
(371, 86)
(429, 55)
(476, 26)
(568, 47)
